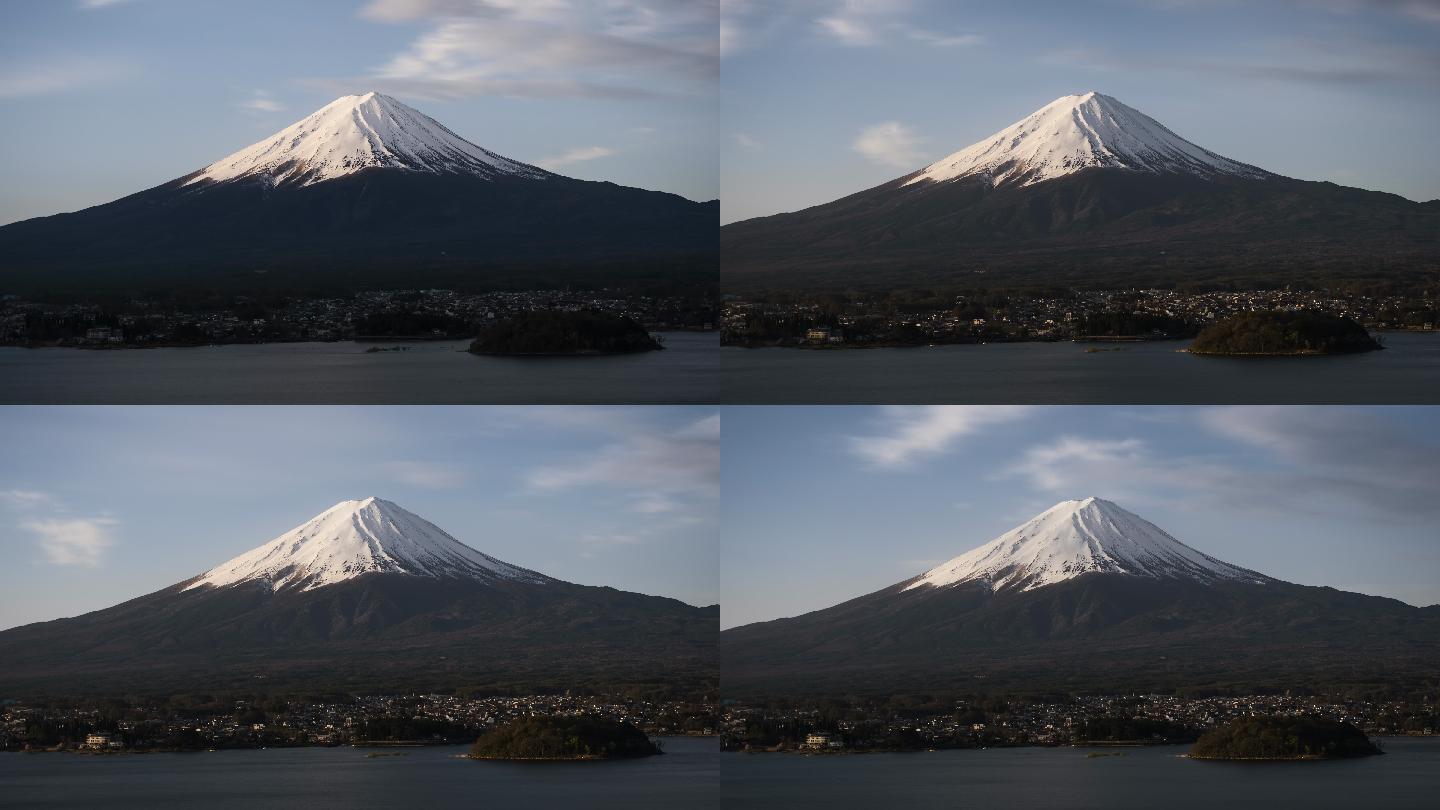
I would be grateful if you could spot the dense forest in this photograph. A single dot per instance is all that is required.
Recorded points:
(1284, 738)
(1284, 333)
(564, 738)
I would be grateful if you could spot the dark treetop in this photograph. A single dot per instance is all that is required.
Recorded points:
(550, 332)
(1276, 333)
(1284, 738)
(581, 737)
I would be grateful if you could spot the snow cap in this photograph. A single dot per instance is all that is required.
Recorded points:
(1078, 537)
(355, 538)
(359, 132)
(1077, 132)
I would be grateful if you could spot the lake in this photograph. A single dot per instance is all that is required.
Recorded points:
(438, 372)
(1406, 372)
(1406, 777)
(319, 778)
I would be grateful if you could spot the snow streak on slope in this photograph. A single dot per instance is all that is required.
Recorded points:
(1079, 132)
(353, 133)
(1073, 538)
(353, 538)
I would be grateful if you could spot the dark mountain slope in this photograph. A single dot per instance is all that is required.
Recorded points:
(1093, 228)
(1099, 632)
(370, 633)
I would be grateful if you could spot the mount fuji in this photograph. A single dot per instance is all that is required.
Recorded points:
(366, 188)
(1085, 191)
(1084, 596)
(367, 596)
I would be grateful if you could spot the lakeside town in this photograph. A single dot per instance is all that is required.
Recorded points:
(1135, 314)
(1120, 720)
(432, 314)
(385, 720)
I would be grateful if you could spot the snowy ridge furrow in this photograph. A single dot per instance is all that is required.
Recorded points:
(354, 538)
(354, 133)
(1078, 132)
(1074, 538)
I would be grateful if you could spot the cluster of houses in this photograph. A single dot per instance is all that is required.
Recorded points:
(239, 726)
(1040, 318)
(968, 724)
(318, 319)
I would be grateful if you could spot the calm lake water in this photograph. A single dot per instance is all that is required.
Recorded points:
(686, 776)
(1408, 371)
(1406, 777)
(687, 371)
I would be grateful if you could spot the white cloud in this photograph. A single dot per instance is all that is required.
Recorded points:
(1071, 461)
(426, 474)
(655, 504)
(858, 23)
(76, 541)
(577, 155)
(550, 49)
(1309, 462)
(706, 428)
(61, 77)
(25, 498)
(890, 144)
(943, 40)
(405, 10)
(852, 23)
(914, 432)
(745, 141)
(260, 101)
(647, 463)
(848, 30)
(730, 37)
(92, 4)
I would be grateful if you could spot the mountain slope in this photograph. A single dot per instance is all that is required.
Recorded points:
(364, 191)
(367, 597)
(1152, 619)
(1087, 192)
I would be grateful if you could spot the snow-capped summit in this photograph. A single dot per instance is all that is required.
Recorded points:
(1073, 538)
(353, 538)
(1079, 132)
(353, 133)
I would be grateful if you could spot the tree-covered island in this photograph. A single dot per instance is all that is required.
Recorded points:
(1284, 738)
(1277, 333)
(549, 332)
(564, 738)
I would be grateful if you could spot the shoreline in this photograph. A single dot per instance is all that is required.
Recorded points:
(1089, 744)
(358, 340)
(583, 758)
(1119, 339)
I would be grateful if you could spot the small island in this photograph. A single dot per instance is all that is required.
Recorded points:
(551, 332)
(564, 738)
(1284, 738)
(1279, 334)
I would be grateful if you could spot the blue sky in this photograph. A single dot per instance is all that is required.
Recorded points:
(103, 98)
(823, 504)
(823, 98)
(100, 505)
